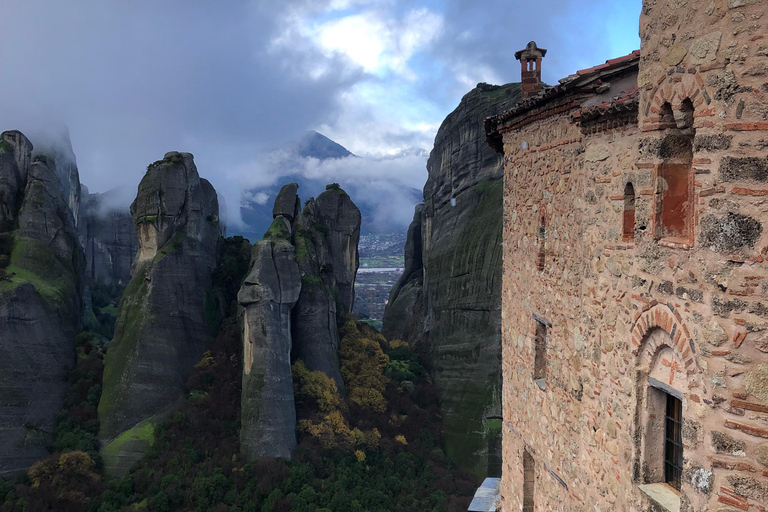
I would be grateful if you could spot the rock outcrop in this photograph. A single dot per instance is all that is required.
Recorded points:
(41, 267)
(448, 300)
(108, 237)
(301, 279)
(161, 329)
(338, 220)
(268, 295)
(326, 239)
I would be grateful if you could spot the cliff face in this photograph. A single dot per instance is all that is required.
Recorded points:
(449, 297)
(302, 276)
(108, 238)
(41, 268)
(161, 330)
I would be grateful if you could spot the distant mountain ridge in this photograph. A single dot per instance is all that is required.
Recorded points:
(256, 204)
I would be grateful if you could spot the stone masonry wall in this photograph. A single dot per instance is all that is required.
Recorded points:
(689, 310)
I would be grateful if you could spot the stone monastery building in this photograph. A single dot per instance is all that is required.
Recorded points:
(635, 288)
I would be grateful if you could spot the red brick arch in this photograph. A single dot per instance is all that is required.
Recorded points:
(690, 86)
(662, 316)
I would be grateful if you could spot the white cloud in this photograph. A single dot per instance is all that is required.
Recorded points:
(379, 42)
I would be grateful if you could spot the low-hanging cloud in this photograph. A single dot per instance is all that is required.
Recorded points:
(230, 82)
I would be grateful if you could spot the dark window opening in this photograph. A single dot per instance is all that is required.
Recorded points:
(529, 477)
(686, 118)
(540, 357)
(673, 442)
(628, 231)
(541, 234)
(667, 117)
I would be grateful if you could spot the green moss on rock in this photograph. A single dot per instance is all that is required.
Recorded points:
(171, 246)
(173, 159)
(123, 451)
(335, 188)
(131, 317)
(33, 262)
(277, 230)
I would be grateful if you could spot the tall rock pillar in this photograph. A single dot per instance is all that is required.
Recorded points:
(268, 294)
(41, 267)
(161, 330)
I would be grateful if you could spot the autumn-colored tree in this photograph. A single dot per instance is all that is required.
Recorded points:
(362, 367)
(68, 481)
(314, 388)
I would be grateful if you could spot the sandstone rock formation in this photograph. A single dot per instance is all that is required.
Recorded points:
(161, 329)
(301, 278)
(41, 267)
(108, 238)
(449, 297)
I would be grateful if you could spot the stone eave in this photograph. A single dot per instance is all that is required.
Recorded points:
(586, 81)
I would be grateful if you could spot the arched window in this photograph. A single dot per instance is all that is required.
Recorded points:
(686, 114)
(662, 390)
(667, 117)
(628, 231)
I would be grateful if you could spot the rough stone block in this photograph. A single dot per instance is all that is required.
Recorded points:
(746, 169)
(730, 232)
(717, 142)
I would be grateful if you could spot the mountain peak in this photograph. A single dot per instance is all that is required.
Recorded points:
(317, 145)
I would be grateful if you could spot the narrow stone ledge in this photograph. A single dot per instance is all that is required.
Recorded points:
(662, 495)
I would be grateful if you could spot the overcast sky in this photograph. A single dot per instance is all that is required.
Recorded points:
(231, 80)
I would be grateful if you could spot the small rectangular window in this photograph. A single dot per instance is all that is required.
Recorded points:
(540, 357)
(529, 477)
(673, 442)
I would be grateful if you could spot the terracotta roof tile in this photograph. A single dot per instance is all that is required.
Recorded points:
(625, 100)
(585, 77)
